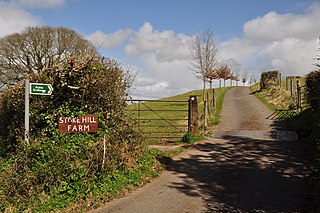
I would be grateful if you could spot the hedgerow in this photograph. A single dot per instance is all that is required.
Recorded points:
(313, 90)
(55, 165)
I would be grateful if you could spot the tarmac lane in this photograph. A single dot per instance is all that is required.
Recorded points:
(247, 165)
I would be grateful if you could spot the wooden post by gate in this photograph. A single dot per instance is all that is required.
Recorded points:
(298, 95)
(193, 122)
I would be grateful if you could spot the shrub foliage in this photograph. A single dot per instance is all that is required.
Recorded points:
(268, 78)
(313, 90)
(58, 164)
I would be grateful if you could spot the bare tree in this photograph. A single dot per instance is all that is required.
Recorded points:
(235, 72)
(36, 48)
(204, 53)
(232, 77)
(244, 77)
(211, 75)
(224, 73)
(252, 80)
(237, 77)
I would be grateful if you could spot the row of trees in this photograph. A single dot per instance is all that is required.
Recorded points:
(222, 72)
(205, 62)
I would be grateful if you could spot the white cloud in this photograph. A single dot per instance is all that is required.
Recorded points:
(292, 56)
(163, 79)
(149, 89)
(14, 19)
(240, 49)
(164, 58)
(287, 42)
(274, 26)
(112, 40)
(165, 45)
(39, 3)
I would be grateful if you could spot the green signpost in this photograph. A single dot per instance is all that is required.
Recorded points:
(40, 89)
(33, 89)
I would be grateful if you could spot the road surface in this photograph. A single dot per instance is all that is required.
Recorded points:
(241, 168)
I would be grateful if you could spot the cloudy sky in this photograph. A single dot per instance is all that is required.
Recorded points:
(153, 37)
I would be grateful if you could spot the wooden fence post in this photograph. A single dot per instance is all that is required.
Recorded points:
(298, 95)
(279, 80)
(205, 111)
(213, 99)
(193, 121)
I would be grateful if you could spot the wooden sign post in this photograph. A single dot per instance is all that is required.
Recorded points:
(32, 89)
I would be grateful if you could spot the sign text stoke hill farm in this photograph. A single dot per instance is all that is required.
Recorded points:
(85, 123)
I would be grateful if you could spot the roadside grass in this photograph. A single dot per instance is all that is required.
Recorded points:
(82, 194)
(215, 119)
(274, 98)
(279, 101)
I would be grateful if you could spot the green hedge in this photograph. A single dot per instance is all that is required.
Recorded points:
(313, 90)
(268, 78)
(56, 165)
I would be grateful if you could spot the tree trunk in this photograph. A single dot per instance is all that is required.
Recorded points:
(204, 89)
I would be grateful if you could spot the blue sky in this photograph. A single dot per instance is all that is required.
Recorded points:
(226, 17)
(153, 37)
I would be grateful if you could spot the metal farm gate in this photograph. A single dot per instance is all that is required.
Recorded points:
(161, 119)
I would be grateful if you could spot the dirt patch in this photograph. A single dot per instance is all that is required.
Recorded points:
(166, 148)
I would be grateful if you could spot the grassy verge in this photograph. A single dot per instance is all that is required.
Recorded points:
(82, 193)
(274, 98)
(215, 119)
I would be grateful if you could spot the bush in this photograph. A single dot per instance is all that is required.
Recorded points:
(81, 86)
(313, 90)
(190, 138)
(268, 78)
